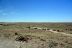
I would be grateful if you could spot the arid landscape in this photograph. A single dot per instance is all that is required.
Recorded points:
(35, 35)
(35, 23)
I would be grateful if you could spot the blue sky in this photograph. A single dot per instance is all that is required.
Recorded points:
(35, 10)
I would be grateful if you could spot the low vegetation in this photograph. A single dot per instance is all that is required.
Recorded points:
(25, 36)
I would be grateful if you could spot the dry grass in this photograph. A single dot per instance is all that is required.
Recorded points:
(32, 38)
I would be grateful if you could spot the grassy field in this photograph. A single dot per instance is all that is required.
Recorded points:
(23, 35)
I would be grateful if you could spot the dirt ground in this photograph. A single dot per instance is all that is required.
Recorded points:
(25, 36)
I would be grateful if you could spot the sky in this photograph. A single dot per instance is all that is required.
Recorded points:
(35, 10)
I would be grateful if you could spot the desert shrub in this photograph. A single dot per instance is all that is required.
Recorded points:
(16, 33)
(58, 30)
(48, 29)
(66, 29)
(43, 29)
(42, 39)
(52, 44)
(54, 30)
(28, 27)
(35, 28)
(5, 24)
(29, 37)
(1, 24)
(70, 32)
(70, 29)
(61, 44)
(23, 38)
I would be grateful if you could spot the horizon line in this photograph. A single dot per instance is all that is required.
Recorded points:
(35, 22)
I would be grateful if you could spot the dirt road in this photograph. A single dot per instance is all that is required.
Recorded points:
(51, 30)
(60, 33)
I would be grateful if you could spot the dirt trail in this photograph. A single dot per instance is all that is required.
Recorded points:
(60, 33)
(51, 30)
